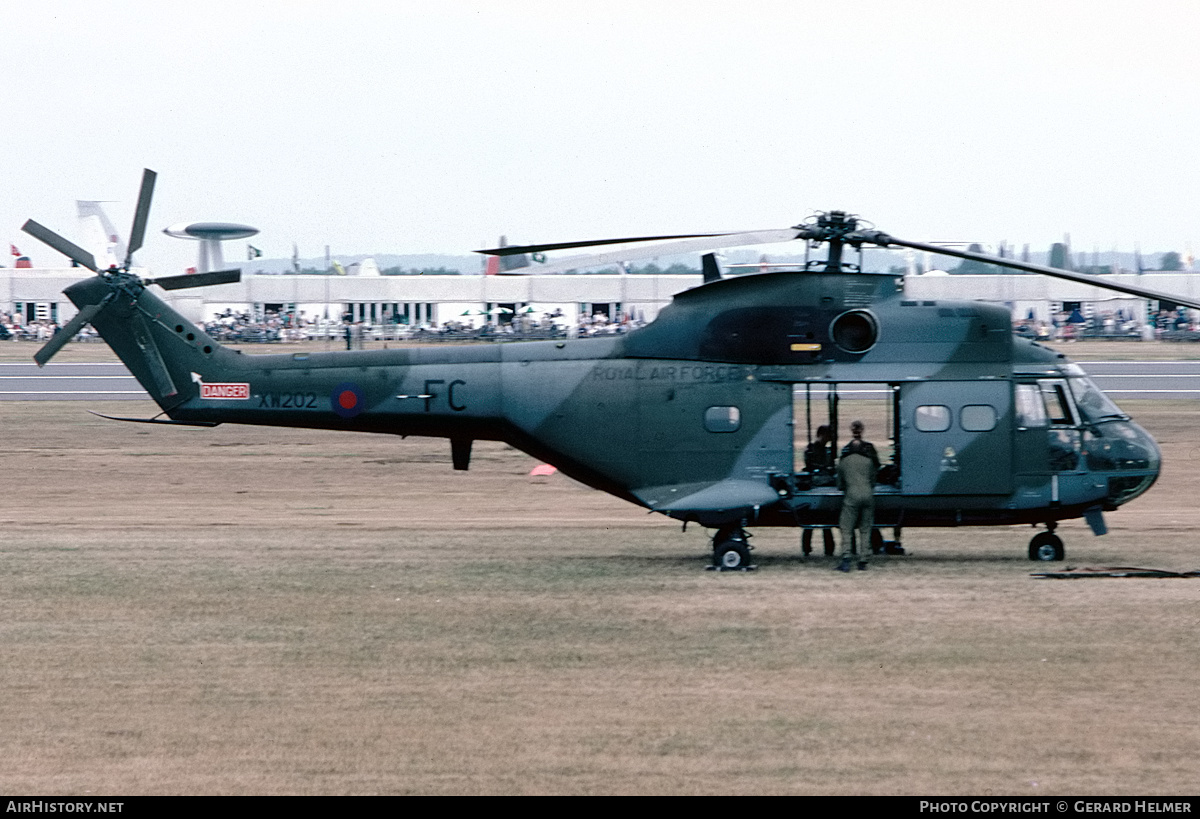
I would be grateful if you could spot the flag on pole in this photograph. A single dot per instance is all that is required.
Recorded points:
(337, 266)
(252, 253)
(13, 249)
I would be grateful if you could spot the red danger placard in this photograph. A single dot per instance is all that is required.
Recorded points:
(225, 391)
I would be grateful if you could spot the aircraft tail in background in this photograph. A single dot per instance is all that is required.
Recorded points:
(100, 235)
(494, 265)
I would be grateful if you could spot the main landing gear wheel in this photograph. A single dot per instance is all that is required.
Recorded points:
(731, 552)
(1046, 547)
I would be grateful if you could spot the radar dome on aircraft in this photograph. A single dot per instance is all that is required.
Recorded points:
(210, 235)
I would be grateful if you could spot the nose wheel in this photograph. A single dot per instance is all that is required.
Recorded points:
(1046, 547)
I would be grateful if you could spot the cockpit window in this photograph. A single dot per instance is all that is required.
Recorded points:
(1031, 410)
(1058, 405)
(1092, 403)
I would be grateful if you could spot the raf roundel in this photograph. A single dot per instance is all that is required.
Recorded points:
(346, 399)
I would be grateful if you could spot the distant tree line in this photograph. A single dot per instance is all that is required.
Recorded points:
(391, 271)
(420, 271)
(677, 269)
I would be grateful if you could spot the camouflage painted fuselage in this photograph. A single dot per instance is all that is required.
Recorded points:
(692, 415)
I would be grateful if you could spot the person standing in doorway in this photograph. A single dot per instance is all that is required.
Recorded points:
(856, 472)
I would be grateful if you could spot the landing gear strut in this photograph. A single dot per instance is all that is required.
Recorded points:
(731, 549)
(806, 541)
(879, 546)
(1046, 546)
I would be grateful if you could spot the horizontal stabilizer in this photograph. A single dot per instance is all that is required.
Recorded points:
(157, 421)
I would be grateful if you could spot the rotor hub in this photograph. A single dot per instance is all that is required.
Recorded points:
(835, 225)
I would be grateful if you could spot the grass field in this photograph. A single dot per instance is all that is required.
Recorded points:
(262, 611)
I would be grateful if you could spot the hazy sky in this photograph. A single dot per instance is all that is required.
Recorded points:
(414, 127)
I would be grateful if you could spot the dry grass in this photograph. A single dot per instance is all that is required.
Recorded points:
(246, 610)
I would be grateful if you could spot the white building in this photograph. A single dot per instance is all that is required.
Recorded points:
(414, 299)
(36, 294)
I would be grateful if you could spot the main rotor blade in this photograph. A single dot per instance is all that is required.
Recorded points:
(699, 244)
(138, 231)
(197, 279)
(67, 248)
(68, 331)
(513, 250)
(1069, 275)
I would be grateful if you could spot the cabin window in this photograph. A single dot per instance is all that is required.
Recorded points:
(932, 418)
(722, 419)
(977, 418)
(1031, 410)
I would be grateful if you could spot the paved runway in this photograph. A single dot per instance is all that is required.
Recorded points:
(1146, 379)
(111, 381)
(67, 382)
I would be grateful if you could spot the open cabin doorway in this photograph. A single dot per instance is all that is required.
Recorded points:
(837, 405)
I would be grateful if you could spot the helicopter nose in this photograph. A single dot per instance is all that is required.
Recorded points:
(1129, 454)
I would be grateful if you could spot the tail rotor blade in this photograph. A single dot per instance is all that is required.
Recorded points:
(68, 332)
(138, 232)
(197, 279)
(67, 248)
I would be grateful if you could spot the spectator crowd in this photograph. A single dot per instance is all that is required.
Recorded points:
(274, 327)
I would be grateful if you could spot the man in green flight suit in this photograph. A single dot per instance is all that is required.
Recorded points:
(856, 473)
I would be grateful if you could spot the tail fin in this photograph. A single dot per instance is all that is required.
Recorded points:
(158, 345)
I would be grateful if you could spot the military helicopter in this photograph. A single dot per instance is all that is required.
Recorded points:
(695, 415)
